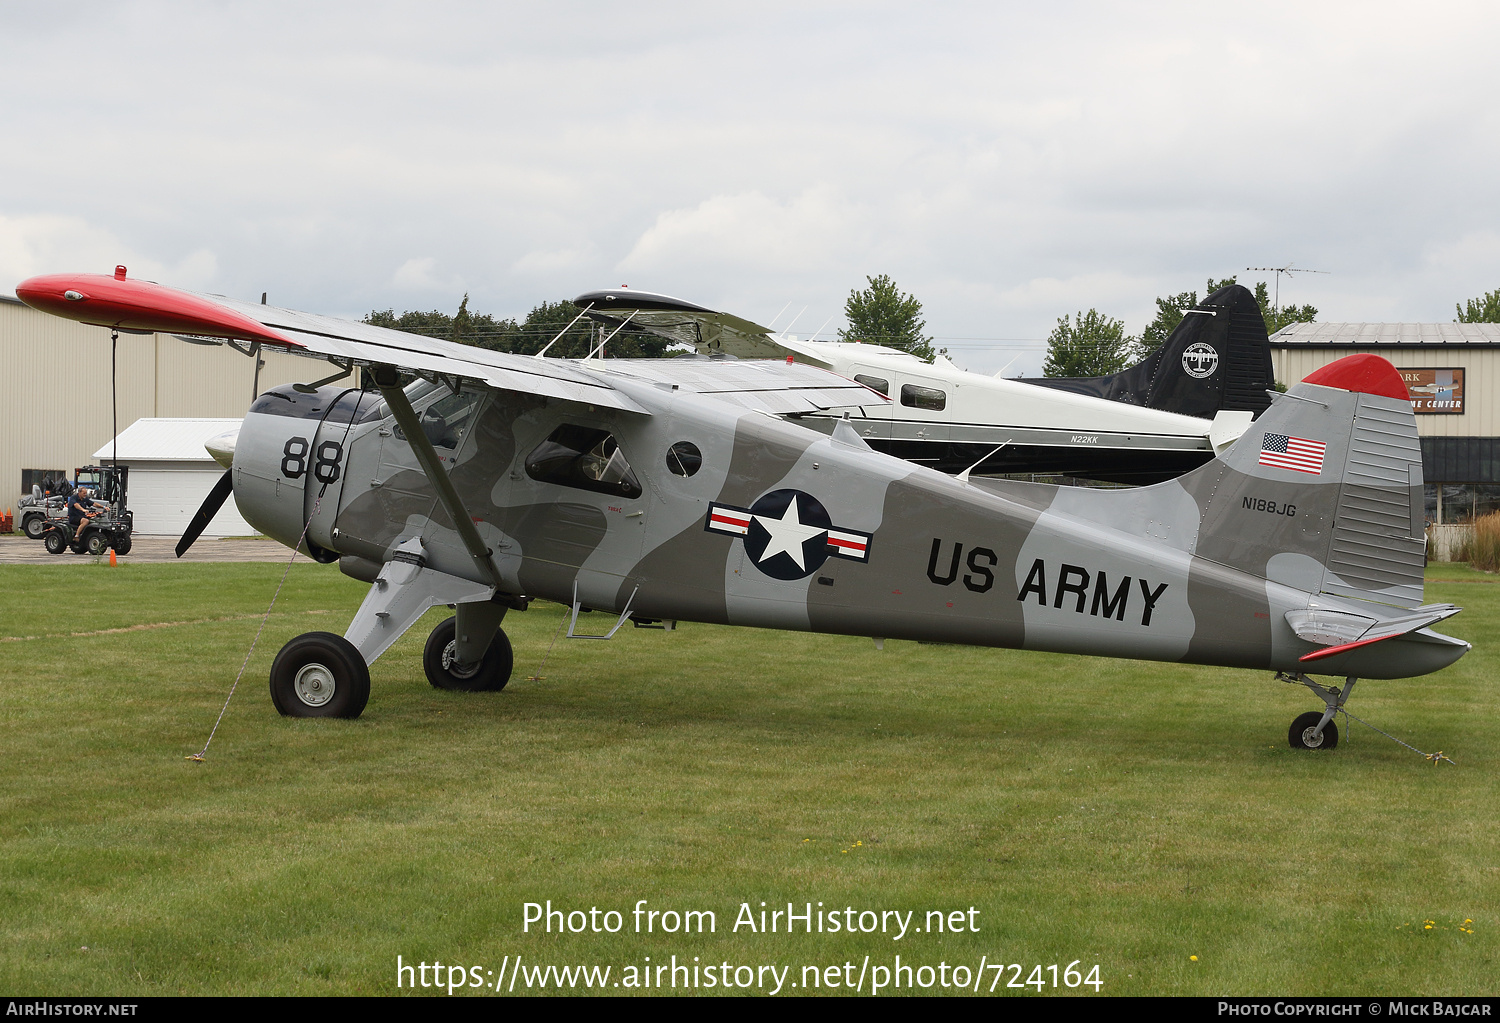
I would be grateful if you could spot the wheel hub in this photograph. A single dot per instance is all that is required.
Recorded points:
(1311, 738)
(314, 685)
(451, 665)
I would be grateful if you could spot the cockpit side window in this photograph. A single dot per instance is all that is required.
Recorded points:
(917, 396)
(879, 384)
(589, 459)
(446, 422)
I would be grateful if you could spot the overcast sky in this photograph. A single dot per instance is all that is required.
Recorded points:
(1005, 163)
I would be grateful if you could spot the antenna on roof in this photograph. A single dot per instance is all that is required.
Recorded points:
(1289, 269)
(789, 326)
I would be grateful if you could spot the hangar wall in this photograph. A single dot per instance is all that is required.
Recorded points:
(55, 391)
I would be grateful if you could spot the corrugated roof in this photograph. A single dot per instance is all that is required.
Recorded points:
(1423, 335)
(167, 440)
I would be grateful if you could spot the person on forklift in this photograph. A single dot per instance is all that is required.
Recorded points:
(80, 507)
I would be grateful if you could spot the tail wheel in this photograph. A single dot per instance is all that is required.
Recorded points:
(96, 543)
(438, 657)
(1301, 734)
(56, 542)
(320, 675)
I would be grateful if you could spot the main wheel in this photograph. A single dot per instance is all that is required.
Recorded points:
(122, 544)
(492, 672)
(56, 542)
(96, 543)
(1301, 734)
(33, 526)
(320, 675)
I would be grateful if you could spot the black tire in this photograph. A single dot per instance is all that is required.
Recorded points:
(56, 542)
(312, 664)
(34, 526)
(122, 544)
(1300, 734)
(96, 543)
(494, 668)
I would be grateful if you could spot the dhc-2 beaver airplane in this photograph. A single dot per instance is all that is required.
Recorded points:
(492, 479)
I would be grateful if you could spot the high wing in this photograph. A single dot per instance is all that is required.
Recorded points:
(780, 388)
(142, 306)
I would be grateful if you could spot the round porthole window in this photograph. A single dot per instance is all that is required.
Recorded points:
(684, 458)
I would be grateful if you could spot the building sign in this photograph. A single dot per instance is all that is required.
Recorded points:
(1435, 391)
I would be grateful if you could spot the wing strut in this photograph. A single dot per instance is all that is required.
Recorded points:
(386, 379)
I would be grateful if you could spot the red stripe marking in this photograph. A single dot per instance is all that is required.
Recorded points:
(1329, 651)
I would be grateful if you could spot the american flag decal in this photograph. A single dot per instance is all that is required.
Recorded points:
(1296, 453)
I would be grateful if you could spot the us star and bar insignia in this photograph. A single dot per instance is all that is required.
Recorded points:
(788, 533)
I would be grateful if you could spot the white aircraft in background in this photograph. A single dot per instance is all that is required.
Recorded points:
(1151, 422)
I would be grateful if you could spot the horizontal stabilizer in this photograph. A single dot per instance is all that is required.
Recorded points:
(1339, 632)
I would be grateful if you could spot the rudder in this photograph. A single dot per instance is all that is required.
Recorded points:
(1324, 492)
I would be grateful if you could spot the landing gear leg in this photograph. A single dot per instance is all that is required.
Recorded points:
(1313, 730)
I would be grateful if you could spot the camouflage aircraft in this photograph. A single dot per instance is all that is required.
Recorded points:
(493, 479)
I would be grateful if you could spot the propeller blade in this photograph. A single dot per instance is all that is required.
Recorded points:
(206, 512)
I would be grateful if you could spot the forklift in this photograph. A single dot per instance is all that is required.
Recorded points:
(110, 529)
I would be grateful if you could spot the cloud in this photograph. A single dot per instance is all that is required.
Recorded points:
(1007, 164)
(37, 244)
(554, 261)
(421, 274)
(750, 232)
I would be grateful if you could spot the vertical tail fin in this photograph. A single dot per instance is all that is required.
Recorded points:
(1218, 358)
(1324, 492)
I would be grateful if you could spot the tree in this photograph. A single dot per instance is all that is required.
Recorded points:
(481, 330)
(547, 321)
(463, 322)
(882, 315)
(542, 324)
(1278, 318)
(1485, 309)
(1092, 345)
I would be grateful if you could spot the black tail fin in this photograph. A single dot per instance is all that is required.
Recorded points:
(1217, 359)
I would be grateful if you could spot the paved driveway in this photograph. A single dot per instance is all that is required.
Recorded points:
(17, 550)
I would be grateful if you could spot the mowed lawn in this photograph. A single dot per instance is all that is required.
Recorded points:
(1123, 813)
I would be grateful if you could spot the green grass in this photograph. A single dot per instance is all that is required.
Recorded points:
(1116, 812)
